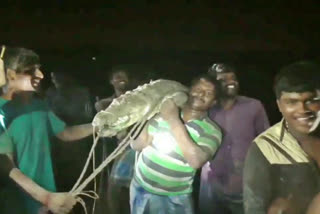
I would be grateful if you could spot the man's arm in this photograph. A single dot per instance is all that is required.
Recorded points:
(102, 104)
(56, 202)
(142, 141)
(314, 207)
(73, 133)
(2, 73)
(257, 182)
(261, 120)
(195, 155)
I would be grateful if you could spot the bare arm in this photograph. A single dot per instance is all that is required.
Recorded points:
(314, 207)
(102, 104)
(195, 155)
(78, 132)
(8, 169)
(143, 140)
(2, 73)
(56, 202)
(33, 189)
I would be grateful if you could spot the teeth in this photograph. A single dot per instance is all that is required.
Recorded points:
(230, 86)
(305, 118)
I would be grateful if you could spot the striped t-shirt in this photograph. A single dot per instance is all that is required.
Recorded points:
(161, 168)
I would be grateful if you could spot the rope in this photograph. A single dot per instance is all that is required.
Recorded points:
(121, 147)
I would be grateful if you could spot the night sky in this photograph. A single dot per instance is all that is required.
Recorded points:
(177, 38)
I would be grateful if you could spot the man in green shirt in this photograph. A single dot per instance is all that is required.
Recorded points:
(173, 145)
(28, 125)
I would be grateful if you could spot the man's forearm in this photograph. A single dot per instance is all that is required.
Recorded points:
(193, 154)
(142, 141)
(30, 187)
(78, 132)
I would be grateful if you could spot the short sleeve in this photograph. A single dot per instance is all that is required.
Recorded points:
(152, 126)
(56, 124)
(206, 134)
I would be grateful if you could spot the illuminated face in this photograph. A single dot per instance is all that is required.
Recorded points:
(299, 110)
(29, 80)
(229, 83)
(120, 80)
(202, 95)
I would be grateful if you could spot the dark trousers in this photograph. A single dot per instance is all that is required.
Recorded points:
(213, 201)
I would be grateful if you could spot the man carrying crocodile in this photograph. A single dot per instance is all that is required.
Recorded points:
(172, 146)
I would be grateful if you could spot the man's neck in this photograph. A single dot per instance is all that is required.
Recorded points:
(310, 143)
(118, 93)
(191, 114)
(227, 102)
(23, 96)
(7, 94)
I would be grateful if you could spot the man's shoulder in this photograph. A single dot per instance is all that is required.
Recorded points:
(274, 133)
(279, 147)
(249, 100)
(209, 123)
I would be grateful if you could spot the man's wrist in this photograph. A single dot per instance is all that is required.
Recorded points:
(45, 198)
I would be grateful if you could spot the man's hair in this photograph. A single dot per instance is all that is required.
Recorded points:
(64, 78)
(120, 68)
(217, 68)
(208, 78)
(20, 59)
(303, 76)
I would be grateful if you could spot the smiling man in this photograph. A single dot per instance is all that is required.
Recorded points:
(241, 119)
(27, 128)
(282, 166)
(172, 146)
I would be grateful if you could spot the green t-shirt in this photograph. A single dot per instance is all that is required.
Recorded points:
(5, 143)
(28, 131)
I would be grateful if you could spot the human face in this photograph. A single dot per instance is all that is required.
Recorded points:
(299, 110)
(202, 95)
(120, 80)
(229, 84)
(29, 80)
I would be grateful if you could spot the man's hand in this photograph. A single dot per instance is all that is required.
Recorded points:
(122, 134)
(169, 110)
(283, 206)
(60, 203)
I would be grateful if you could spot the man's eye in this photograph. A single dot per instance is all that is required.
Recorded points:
(291, 102)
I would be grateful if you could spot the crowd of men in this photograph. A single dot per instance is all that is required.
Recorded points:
(247, 167)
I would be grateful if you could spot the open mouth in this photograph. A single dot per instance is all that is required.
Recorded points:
(307, 120)
(122, 82)
(197, 100)
(231, 86)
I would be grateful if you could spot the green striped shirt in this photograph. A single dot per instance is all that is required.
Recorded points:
(161, 167)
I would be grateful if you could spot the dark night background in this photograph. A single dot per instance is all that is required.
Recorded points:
(177, 38)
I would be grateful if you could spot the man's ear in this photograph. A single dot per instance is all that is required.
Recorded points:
(278, 104)
(11, 74)
(111, 82)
